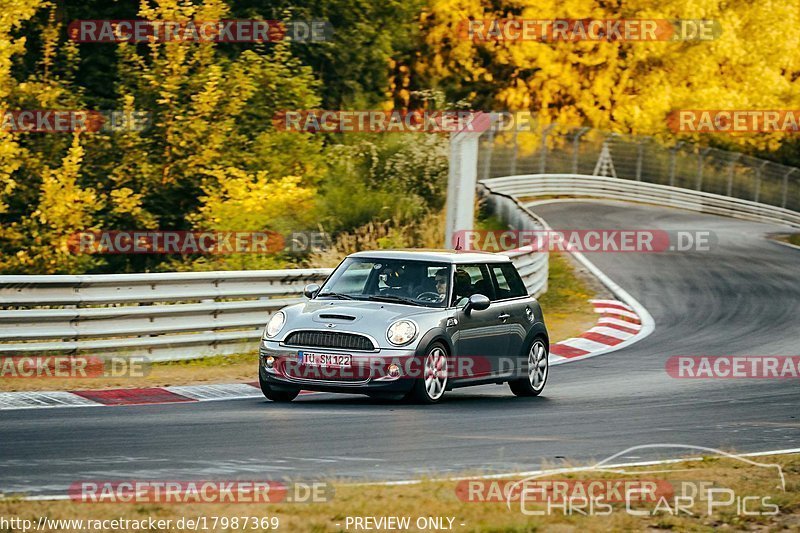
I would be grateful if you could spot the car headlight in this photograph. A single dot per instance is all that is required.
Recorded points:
(275, 324)
(402, 332)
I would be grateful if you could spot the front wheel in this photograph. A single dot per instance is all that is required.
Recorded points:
(538, 369)
(276, 395)
(430, 387)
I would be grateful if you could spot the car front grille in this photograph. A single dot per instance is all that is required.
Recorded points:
(330, 339)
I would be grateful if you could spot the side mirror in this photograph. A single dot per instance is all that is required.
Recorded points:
(478, 302)
(310, 290)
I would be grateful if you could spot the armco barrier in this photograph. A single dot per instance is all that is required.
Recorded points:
(532, 266)
(538, 185)
(167, 316)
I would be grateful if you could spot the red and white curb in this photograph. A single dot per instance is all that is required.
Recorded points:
(622, 322)
(618, 323)
(140, 396)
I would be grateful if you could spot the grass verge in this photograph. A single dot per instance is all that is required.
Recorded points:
(214, 369)
(791, 238)
(748, 488)
(566, 306)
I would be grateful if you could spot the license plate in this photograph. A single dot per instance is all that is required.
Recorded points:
(331, 360)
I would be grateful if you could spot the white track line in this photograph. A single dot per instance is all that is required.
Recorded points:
(648, 325)
(576, 469)
(496, 476)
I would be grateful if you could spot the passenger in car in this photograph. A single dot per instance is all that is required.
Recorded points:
(463, 286)
(482, 287)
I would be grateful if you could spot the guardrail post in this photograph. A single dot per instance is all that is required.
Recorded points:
(575, 143)
(514, 155)
(487, 160)
(786, 186)
(543, 150)
(758, 180)
(76, 323)
(730, 173)
(672, 154)
(639, 156)
(700, 155)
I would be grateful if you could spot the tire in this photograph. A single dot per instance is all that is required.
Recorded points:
(538, 370)
(430, 388)
(276, 395)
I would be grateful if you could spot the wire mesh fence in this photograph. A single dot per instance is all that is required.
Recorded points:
(593, 152)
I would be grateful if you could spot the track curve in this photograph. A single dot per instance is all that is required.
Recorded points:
(740, 298)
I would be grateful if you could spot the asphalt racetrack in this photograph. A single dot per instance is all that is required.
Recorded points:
(740, 298)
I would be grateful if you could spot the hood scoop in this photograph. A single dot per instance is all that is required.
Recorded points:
(328, 316)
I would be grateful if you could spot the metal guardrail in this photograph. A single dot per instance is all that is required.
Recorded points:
(169, 316)
(533, 267)
(538, 185)
(166, 316)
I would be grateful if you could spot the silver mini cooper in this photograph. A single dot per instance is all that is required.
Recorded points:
(408, 323)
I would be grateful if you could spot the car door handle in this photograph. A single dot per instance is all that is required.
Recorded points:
(504, 316)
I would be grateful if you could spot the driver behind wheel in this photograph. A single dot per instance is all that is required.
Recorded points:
(431, 290)
(441, 283)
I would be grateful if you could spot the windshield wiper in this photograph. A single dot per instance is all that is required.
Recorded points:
(337, 295)
(392, 298)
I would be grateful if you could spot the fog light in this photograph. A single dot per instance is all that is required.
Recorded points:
(269, 361)
(394, 371)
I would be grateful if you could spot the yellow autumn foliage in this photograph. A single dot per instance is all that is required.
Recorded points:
(239, 201)
(626, 87)
(12, 15)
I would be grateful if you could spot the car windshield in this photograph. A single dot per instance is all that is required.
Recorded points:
(420, 283)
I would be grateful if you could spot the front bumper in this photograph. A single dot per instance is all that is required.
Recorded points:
(369, 373)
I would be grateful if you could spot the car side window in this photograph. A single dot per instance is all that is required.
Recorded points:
(508, 282)
(472, 279)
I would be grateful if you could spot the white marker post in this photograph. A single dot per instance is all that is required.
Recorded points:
(462, 177)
